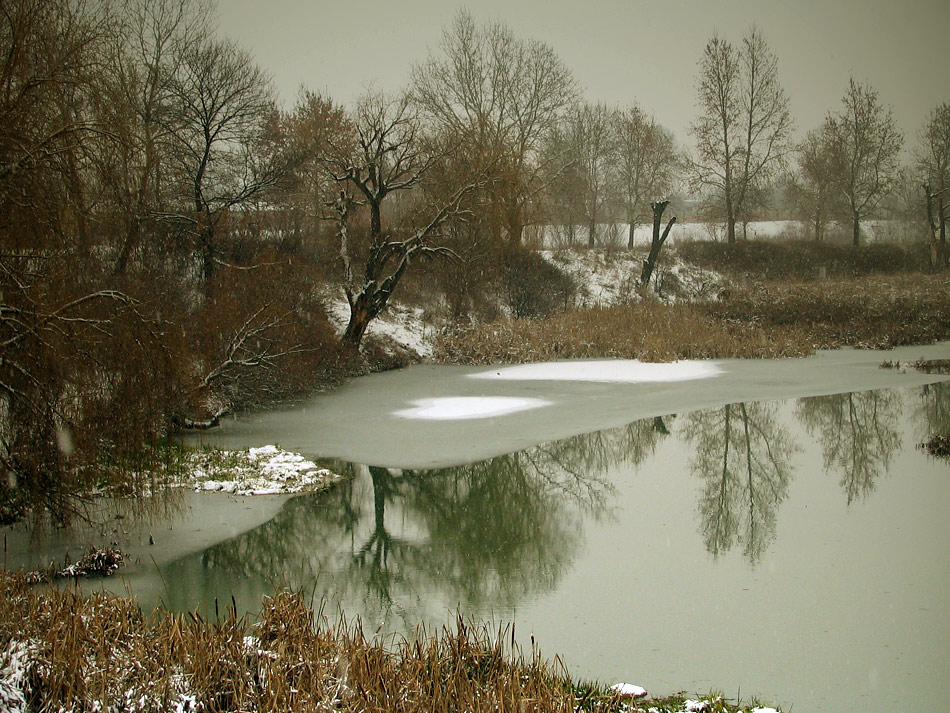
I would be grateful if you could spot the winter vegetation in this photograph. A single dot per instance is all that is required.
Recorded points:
(62, 651)
(176, 245)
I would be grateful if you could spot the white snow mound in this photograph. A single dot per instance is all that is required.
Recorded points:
(630, 371)
(465, 407)
(629, 689)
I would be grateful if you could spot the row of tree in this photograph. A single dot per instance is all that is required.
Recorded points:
(168, 232)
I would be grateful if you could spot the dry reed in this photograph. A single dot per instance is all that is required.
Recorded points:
(63, 651)
(777, 320)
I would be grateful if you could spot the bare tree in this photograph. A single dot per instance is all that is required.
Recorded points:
(743, 131)
(593, 143)
(145, 56)
(563, 177)
(865, 149)
(646, 164)
(222, 103)
(499, 95)
(815, 183)
(933, 164)
(387, 156)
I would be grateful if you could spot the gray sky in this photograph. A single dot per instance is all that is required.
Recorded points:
(621, 51)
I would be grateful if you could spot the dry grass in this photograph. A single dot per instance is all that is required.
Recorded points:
(63, 651)
(788, 259)
(773, 320)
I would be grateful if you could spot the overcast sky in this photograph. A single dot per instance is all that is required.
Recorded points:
(621, 51)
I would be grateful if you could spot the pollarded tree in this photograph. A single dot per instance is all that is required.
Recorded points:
(645, 167)
(499, 95)
(865, 145)
(742, 134)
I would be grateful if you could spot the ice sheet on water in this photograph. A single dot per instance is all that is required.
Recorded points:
(629, 371)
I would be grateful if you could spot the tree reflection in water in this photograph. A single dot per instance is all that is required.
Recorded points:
(403, 542)
(413, 544)
(858, 435)
(932, 413)
(743, 456)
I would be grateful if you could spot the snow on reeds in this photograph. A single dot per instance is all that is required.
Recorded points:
(63, 651)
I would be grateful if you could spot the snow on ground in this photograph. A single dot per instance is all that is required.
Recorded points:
(602, 278)
(629, 690)
(14, 671)
(258, 471)
(399, 323)
(615, 234)
(606, 278)
(629, 371)
(455, 408)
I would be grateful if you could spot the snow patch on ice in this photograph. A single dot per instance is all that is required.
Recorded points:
(630, 371)
(466, 407)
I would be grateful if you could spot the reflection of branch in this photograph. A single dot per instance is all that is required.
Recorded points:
(858, 435)
(732, 508)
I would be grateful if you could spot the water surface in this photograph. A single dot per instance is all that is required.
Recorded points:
(791, 548)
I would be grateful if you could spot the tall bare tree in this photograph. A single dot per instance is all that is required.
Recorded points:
(78, 360)
(814, 184)
(933, 165)
(742, 133)
(387, 155)
(865, 149)
(646, 165)
(500, 95)
(593, 140)
(145, 56)
(222, 102)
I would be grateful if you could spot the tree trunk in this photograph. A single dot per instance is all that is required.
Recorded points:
(856, 230)
(360, 317)
(591, 233)
(206, 242)
(731, 229)
(650, 263)
(935, 246)
(514, 223)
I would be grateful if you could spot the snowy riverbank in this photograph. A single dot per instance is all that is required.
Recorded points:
(267, 470)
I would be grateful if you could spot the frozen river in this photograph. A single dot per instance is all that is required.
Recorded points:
(763, 526)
